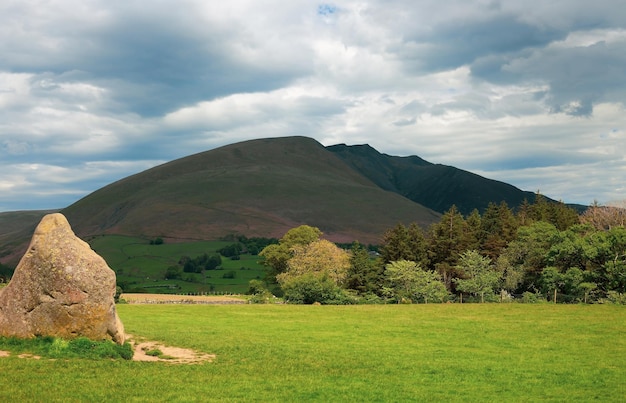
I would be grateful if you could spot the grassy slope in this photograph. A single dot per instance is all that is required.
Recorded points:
(139, 265)
(433, 185)
(447, 352)
(257, 188)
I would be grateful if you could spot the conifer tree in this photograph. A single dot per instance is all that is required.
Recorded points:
(447, 241)
(396, 244)
(364, 274)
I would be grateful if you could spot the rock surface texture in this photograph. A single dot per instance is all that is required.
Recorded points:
(61, 288)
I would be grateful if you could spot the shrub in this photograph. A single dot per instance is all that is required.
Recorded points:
(311, 288)
(173, 272)
(256, 287)
(230, 250)
(532, 298)
(262, 298)
(369, 298)
(615, 297)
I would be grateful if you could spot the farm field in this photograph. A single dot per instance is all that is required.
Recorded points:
(437, 352)
(141, 267)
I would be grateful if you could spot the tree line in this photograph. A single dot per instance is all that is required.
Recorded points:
(541, 251)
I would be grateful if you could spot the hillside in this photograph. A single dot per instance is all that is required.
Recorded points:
(435, 186)
(16, 229)
(265, 187)
(257, 188)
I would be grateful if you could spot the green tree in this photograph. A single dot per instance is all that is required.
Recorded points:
(551, 281)
(259, 293)
(529, 251)
(365, 274)
(499, 227)
(418, 245)
(576, 286)
(231, 250)
(447, 239)
(567, 250)
(322, 258)
(212, 262)
(173, 273)
(480, 275)
(563, 216)
(512, 274)
(407, 280)
(402, 243)
(557, 214)
(614, 268)
(277, 255)
(473, 230)
(539, 210)
(310, 288)
(524, 215)
(395, 245)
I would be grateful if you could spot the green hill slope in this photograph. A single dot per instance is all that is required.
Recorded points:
(256, 188)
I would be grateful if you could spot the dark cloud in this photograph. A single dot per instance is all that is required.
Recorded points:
(94, 91)
(463, 42)
(155, 60)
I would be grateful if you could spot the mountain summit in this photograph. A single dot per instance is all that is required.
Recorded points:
(256, 188)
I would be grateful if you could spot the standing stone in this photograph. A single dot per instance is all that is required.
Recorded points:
(61, 288)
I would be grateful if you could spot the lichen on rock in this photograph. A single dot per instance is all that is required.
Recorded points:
(61, 288)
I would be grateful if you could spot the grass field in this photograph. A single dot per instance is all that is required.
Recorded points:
(447, 352)
(141, 266)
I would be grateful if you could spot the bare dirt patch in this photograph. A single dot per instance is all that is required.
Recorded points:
(24, 355)
(181, 299)
(149, 351)
(157, 352)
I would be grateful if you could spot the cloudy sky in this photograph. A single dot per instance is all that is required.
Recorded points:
(528, 92)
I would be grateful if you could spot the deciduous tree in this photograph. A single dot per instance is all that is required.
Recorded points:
(315, 273)
(480, 277)
(277, 255)
(605, 217)
(406, 280)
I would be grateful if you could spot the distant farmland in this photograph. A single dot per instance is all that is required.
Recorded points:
(141, 267)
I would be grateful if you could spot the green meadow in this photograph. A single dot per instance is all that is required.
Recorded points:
(141, 267)
(373, 353)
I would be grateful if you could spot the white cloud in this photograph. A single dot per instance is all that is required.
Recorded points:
(531, 93)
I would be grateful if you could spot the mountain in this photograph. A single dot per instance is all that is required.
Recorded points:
(256, 188)
(435, 186)
(264, 188)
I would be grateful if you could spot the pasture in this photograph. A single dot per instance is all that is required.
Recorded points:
(141, 267)
(436, 352)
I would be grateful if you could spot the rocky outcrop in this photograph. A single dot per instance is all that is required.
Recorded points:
(61, 288)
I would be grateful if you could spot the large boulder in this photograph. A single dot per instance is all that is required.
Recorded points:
(61, 288)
